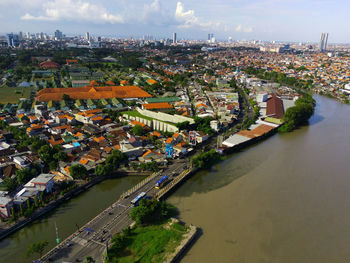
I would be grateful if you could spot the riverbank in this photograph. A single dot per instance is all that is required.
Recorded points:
(59, 201)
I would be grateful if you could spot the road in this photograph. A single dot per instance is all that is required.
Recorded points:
(93, 238)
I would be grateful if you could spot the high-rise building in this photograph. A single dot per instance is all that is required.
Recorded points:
(58, 35)
(12, 40)
(323, 42)
(211, 38)
(174, 38)
(87, 36)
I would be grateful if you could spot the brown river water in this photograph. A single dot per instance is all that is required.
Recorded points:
(285, 199)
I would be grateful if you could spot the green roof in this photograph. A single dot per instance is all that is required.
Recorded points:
(78, 103)
(274, 120)
(90, 102)
(165, 99)
(50, 104)
(104, 102)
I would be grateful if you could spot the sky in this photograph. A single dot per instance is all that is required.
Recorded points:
(280, 20)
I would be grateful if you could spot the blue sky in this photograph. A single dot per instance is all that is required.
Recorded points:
(282, 20)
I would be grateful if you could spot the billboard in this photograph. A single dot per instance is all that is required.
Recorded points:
(169, 150)
(192, 138)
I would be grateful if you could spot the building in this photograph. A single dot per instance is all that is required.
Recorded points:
(12, 40)
(323, 42)
(93, 93)
(58, 35)
(87, 36)
(174, 38)
(43, 182)
(6, 204)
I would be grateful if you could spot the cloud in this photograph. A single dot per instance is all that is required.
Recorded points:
(155, 14)
(244, 29)
(74, 11)
(187, 18)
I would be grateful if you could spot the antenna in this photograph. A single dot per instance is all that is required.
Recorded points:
(57, 238)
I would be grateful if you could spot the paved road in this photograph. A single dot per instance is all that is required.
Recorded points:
(92, 239)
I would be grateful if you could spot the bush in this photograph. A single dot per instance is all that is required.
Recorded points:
(151, 211)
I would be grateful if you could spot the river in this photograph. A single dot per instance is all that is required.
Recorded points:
(77, 211)
(285, 199)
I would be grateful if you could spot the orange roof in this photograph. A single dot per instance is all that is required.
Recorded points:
(84, 93)
(176, 135)
(93, 111)
(117, 146)
(150, 151)
(107, 149)
(109, 82)
(160, 105)
(152, 81)
(155, 133)
(169, 140)
(97, 118)
(78, 134)
(93, 83)
(99, 139)
(138, 123)
(53, 143)
(83, 161)
(67, 169)
(124, 82)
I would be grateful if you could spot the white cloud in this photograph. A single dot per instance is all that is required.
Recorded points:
(244, 29)
(77, 10)
(186, 18)
(155, 14)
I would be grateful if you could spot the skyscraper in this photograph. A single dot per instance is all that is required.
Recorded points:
(12, 40)
(323, 42)
(58, 34)
(174, 38)
(87, 36)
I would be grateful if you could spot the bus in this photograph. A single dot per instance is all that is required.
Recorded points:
(137, 199)
(161, 182)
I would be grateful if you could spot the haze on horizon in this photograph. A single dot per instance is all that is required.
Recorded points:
(281, 20)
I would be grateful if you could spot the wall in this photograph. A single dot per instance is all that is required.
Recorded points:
(164, 116)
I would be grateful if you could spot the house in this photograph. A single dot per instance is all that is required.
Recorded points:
(43, 182)
(150, 156)
(20, 162)
(6, 204)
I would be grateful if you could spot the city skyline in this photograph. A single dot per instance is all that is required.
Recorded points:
(242, 20)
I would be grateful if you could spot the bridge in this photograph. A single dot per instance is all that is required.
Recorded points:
(95, 236)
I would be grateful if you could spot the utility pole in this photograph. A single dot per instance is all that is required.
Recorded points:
(57, 238)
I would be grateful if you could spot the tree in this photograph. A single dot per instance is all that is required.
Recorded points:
(10, 184)
(138, 130)
(78, 171)
(150, 211)
(90, 259)
(36, 201)
(36, 248)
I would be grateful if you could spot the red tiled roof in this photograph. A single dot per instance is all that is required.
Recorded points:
(85, 93)
(274, 107)
(160, 105)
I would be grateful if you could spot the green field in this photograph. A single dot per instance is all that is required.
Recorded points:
(149, 244)
(136, 114)
(12, 95)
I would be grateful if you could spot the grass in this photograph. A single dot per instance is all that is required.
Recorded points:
(149, 244)
(11, 95)
(136, 114)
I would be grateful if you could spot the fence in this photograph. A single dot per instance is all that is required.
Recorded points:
(178, 179)
(139, 185)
